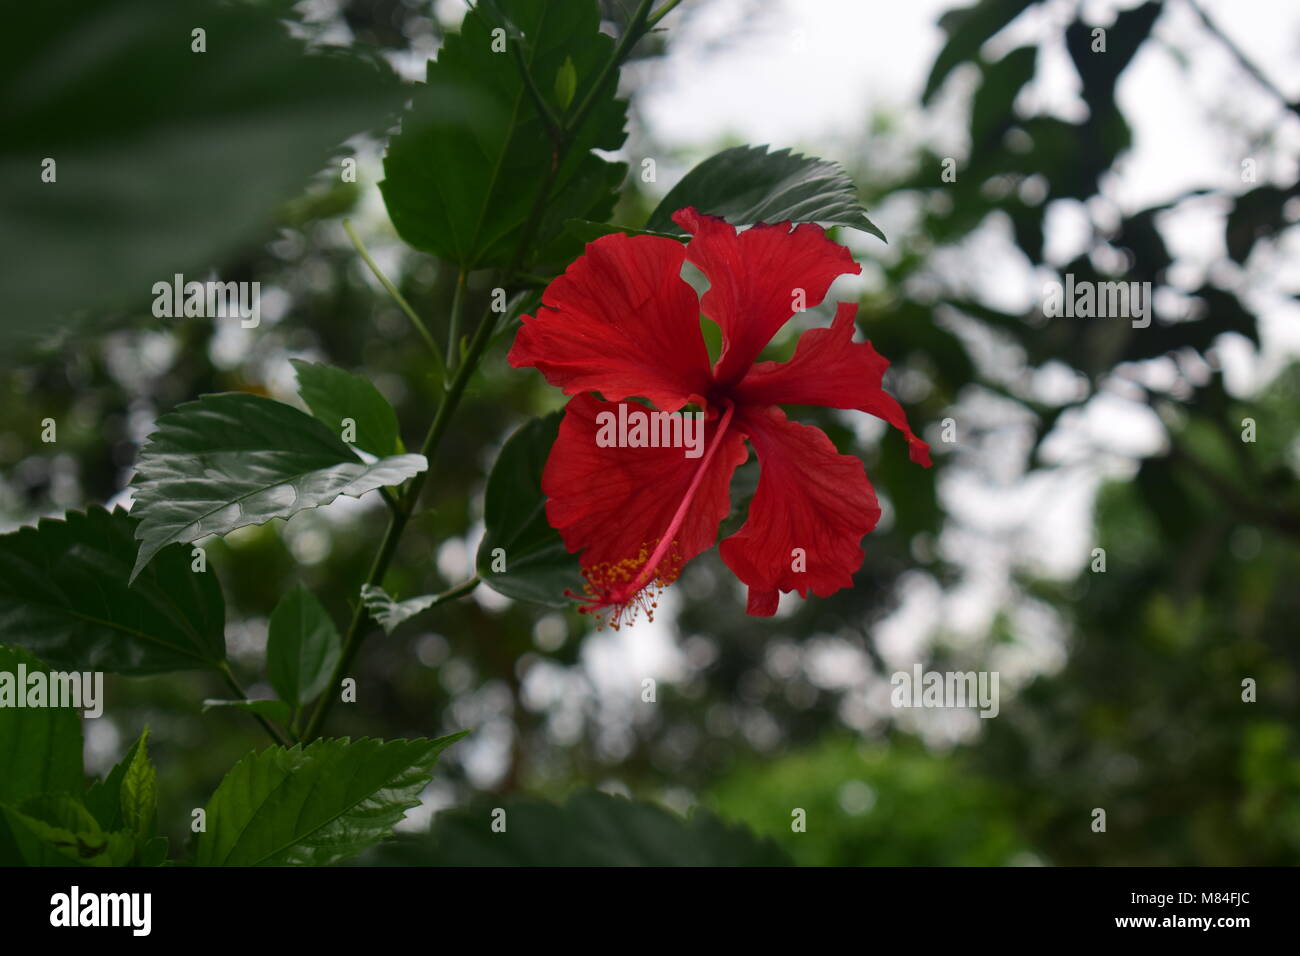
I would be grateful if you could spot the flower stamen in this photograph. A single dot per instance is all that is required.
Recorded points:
(618, 590)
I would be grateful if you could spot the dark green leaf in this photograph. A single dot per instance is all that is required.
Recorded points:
(64, 595)
(231, 460)
(992, 109)
(151, 185)
(592, 829)
(1100, 70)
(334, 395)
(302, 647)
(316, 805)
(538, 568)
(463, 175)
(968, 29)
(747, 184)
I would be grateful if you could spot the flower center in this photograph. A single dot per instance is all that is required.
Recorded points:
(618, 590)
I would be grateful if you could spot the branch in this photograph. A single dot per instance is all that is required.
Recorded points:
(1242, 59)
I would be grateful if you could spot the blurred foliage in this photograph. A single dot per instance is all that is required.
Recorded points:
(1145, 718)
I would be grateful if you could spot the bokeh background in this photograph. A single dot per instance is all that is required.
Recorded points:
(1170, 158)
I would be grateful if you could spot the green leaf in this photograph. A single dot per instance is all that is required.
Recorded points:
(462, 176)
(566, 83)
(175, 181)
(127, 800)
(389, 613)
(316, 805)
(276, 710)
(747, 184)
(104, 797)
(302, 647)
(538, 567)
(40, 747)
(140, 792)
(64, 595)
(154, 852)
(592, 829)
(53, 829)
(334, 395)
(231, 460)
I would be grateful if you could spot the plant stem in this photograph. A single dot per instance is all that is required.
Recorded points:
(1241, 58)
(539, 101)
(463, 372)
(401, 515)
(659, 14)
(453, 326)
(636, 29)
(393, 291)
(239, 692)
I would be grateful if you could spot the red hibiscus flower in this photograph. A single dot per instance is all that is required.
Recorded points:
(622, 322)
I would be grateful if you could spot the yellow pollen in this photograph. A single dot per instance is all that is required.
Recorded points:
(618, 590)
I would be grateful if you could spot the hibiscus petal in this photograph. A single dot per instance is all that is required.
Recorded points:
(620, 321)
(615, 504)
(832, 370)
(755, 277)
(809, 513)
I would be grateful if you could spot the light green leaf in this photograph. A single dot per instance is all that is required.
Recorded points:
(316, 805)
(140, 792)
(747, 184)
(462, 176)
(57, 829)
(334, 395)
(40, 747)
(538, 567)
(566, 83)
(389, 613)
(64, 595)
(104, 797)
(276, 710)
(302, 647)
(127, 801)
(592, 829)
(231, 460)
